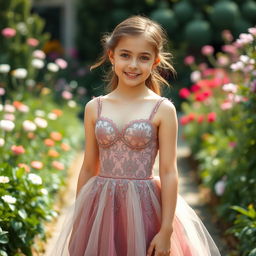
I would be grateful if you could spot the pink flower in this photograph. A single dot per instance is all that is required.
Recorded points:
(67, 95)
(207, 93)
(32, 42)
(226, 35)
(195, 88)
(202, 66)
(232, 144)
(184, 120)
(200, 118)
(184, 93)
(61, 63)
(223, 60)
(226, 105)
(58, 165)
(36, 165)
(189, 60)
(25, 166)
(9, 116)
(199, 97)
(2, 91)
(17, 150)
(207, 50)
(252, 31)
(191, 117)
(229, 49)
(211, 117)
(8, 32)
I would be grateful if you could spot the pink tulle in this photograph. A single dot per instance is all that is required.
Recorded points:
(119, 217)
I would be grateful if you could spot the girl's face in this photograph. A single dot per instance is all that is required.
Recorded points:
(133, 59)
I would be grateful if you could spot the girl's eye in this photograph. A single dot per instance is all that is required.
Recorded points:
(124, 55)
(144, 58)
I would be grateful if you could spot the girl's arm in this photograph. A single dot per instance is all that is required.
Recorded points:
(168, 172)
(90, 166)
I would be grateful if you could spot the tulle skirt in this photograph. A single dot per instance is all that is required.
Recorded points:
(120, 217)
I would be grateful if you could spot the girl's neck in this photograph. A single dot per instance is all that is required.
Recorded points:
(131, 93)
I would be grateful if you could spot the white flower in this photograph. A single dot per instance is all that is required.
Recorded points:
(195, 76)
(29, 126)
(40, 122)
(23, 108)
(230, 88)
(52, 67)
(44, 191)
(4, 68)
(9, 199)
(1, 107)
(219, 187)
(20, 73)
(39, 54)
(22, 28)
(4, 179)
(52, 116)
(9, 108)
(244, 58)
(7, 125)
(37, 63)
(72, 104)
(35, 179)
(252, 61)
(30, 82)
(237, 66)
(39, 112)
(2, 142)
(247, 38)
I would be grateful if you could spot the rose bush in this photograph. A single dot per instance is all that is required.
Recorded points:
(220, 122)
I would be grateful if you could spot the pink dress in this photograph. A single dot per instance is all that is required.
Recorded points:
(118, 212)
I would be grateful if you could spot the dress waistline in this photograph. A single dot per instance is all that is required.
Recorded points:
(111, 177)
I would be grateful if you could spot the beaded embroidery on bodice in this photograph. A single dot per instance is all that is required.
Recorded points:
(129, 152)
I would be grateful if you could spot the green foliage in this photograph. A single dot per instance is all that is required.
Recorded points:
(22, 220)
(245, 229)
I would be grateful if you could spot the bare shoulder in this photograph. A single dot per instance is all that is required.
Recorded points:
(167, 111)
(91, 108)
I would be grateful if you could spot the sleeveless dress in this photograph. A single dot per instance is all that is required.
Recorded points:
(118, 212)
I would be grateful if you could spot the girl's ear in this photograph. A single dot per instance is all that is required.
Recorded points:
(111, 56)
(157, 61)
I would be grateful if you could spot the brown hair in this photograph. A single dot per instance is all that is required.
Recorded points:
(137, 25)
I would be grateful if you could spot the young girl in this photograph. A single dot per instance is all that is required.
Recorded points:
(121, 208)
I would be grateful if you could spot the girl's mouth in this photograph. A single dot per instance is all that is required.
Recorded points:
(131, 75)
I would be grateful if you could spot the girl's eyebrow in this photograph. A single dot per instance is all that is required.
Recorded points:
(125, 50)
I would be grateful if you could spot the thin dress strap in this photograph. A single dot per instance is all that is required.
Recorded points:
(156, 107)
(99, 105)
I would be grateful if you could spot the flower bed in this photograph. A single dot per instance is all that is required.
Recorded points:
(220, 123)
(39, 132)
(36, 147)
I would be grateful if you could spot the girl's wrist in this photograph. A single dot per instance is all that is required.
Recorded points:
(166, 230)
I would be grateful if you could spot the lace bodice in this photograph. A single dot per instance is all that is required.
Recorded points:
(129, 152)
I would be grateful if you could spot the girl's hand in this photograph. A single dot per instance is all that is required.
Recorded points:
(161, 243)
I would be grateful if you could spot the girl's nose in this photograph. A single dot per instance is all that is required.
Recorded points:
(133, 63)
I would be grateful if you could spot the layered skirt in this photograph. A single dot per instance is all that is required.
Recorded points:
(120, 217)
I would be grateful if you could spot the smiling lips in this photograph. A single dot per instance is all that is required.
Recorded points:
(131, 74)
